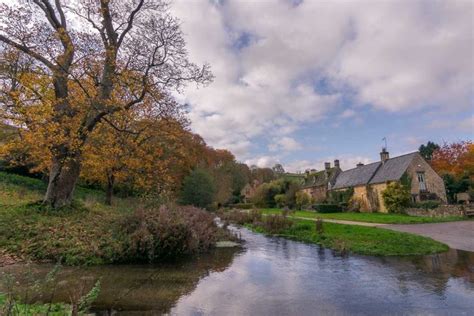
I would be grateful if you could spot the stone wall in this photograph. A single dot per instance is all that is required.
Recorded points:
(434, 183)
(440, 211)
(319, 193)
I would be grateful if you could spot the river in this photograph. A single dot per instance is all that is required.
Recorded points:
(272, 276)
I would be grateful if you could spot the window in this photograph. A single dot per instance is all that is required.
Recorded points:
(421, 181)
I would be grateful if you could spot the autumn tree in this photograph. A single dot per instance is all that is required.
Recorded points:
(455, 163)
(68, 67)
(456, 159)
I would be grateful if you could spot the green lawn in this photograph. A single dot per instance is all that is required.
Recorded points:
(360, 239)
(369, 217)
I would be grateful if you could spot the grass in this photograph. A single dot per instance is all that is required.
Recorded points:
(82, 234)
(359, 239)
(369, 217)
(19, 309)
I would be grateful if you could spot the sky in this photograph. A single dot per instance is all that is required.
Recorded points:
(300, 82)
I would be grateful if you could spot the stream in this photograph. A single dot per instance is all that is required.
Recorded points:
(269, 276)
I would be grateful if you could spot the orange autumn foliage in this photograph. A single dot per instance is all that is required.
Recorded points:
(456, 159)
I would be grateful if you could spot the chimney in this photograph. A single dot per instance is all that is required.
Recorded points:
(360, 164)
(384, 155)
(327, 165)
(336, 163)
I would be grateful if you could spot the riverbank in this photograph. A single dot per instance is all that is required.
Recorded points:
(343, 238)
(92, 233)
(380, 218)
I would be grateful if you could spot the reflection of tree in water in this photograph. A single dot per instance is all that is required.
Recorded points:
(433, 272)
(140, 288)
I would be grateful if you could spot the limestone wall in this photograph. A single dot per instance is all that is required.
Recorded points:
(434, 183)
(440, 211)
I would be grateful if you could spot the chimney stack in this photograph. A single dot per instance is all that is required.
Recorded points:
(384, 155)
(360, 164)
(327, 165)
(336, 163)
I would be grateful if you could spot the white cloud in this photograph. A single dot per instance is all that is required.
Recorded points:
(285, 144)
(346, 162)
(263, 162)
(394, 56)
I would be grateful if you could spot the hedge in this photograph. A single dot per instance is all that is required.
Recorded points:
(327, 208)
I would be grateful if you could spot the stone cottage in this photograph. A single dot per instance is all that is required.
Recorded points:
(318, 183)
(369, 181)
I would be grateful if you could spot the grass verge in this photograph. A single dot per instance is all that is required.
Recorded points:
(359, 239)
(368, 217)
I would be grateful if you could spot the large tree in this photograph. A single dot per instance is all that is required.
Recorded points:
(69, 67)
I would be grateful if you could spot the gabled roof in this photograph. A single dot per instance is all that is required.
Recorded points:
(393, 169)
(376, 172)
(320, 178)
(357, 176)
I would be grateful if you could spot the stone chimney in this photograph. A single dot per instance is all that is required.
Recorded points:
(327, 165)
(336, 163)
(384, 155)
(360, 164)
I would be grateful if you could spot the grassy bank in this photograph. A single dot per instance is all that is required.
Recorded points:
(368, 217)
(360, 239)
(345, 238)
(92, 233)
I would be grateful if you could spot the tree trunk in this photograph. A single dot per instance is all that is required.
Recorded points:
(110, 188)
(62, 181)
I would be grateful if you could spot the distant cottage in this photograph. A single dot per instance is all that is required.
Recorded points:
(369, 181)
(317, 184)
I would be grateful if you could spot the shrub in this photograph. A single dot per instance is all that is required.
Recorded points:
(167, 232)
(327, 208)
(303, 200)
(396, 197)
(427, 205)
(274, 224)
(280, 200)
(198, 189)
(241, 218)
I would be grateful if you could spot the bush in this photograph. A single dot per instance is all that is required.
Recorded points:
(396, 197)
(427, 205)
(241, 218)
(303, 200)
(327, 208)
(167, 232)
(280, 200)
(274, 224)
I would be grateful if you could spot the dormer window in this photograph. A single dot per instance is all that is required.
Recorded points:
(421, 181)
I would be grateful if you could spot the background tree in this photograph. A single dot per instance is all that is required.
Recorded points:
(98, 48)
(278, 169)
(426, 151)
(198, 189)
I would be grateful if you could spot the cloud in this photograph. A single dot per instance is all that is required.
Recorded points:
(346, 162)
(280, 66)
(263, 162)
(285, 144)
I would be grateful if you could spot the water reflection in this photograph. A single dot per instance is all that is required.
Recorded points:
(282, 277)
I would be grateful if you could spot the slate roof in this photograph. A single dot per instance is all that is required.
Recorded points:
(376, 172)
(356, 176)
(319, 178)
(392, 169)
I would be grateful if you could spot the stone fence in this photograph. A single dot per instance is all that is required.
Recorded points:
(440, 211)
